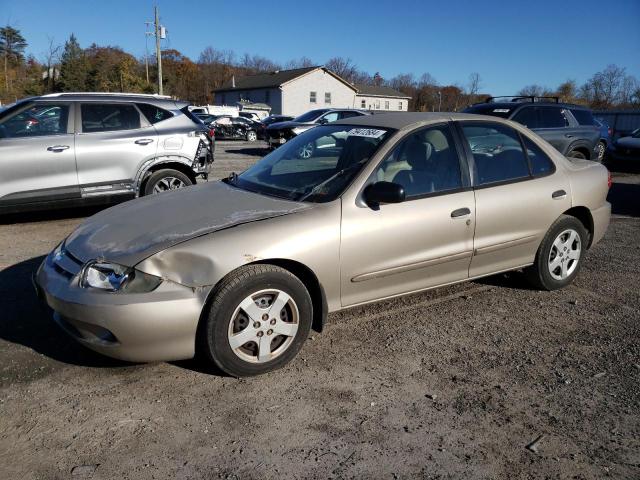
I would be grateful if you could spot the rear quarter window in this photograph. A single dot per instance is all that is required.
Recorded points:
(152, 113)
(584, 117)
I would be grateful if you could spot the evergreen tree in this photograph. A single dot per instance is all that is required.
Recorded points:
(12, 45)
(73, 67)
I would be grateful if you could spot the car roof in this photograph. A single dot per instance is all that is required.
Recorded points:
(162, 101)
(515, 105)
(399, 120)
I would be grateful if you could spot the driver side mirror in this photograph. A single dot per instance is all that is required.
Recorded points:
(383, 192)
(322, 121)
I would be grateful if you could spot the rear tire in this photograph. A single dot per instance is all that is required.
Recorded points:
(165, 180)
(242, 334)
(577, 154)
(601, 149)
(559, 257)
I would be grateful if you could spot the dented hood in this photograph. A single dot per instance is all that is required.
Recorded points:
(130, 232)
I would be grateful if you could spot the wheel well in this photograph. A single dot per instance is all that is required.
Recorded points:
(181, 167)
(583, 150)
(306, 276)
(584, 215)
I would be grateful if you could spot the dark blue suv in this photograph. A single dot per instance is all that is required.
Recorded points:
(571, 129)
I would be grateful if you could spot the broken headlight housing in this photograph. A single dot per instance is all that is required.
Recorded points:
(112, 277)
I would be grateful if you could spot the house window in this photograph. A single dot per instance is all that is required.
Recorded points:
(377, 104)
(386, 104)
(312, 97)
(327, 97)
(399, 105)
(267, 96)
(363, 104)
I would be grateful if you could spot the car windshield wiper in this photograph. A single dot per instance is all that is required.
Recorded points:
(339, 173)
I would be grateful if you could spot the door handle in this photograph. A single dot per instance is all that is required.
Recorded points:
(144, 141)
(568, 135)
(460, 212)
(57, 148)
(558, 194)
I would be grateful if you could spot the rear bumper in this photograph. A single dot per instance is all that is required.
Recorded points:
(155, 326)
(601, 218)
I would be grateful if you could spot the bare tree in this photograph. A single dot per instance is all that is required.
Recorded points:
(343, 67)
(302, 62)
(475, 81)
(51, 58)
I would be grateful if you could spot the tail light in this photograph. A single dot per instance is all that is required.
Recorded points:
(609, 181)
(212, 132)
(32, 122)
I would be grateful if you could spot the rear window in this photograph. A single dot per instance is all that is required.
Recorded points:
(191, 116)
(584, 117)
(551, 117)
(152, 113)
(104, 117)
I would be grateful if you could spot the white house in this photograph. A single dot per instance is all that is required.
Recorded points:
(293, 92)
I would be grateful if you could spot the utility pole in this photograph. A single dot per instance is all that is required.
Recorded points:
(158, 52)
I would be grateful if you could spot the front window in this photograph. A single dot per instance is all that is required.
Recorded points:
(315, 166)
(399, 105)
(386, 104)
(34, 120)
(327, 97)
(426, 162)
(312, 97)
(363, 104)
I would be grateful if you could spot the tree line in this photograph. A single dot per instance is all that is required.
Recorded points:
(70, 67)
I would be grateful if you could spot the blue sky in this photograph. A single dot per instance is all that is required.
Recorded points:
(510, 43)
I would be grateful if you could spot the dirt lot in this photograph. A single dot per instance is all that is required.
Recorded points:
(452, 383)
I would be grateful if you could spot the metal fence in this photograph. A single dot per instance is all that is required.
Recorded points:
(622, 122)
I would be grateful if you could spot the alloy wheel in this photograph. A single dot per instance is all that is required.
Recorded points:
(564, 254)
(306, 151)
(263, 326)
(168, 183)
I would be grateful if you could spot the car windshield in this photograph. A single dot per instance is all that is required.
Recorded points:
(310, 116)
(315, 166)
(636, 133)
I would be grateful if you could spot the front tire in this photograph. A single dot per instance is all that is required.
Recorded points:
(252, 136)
(559, 257)
(165, 180)
(258, 320)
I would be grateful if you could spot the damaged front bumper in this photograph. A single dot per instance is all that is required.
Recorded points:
(139, 327)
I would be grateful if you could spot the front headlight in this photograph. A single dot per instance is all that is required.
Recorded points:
(112, 277)
(299, 130)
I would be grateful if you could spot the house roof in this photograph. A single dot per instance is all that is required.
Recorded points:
(378, 91)
(265, 80)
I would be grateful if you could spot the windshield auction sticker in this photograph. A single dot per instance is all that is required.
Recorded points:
(366, 132)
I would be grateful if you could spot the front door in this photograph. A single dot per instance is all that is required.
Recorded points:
(37, 154)
(424, 241)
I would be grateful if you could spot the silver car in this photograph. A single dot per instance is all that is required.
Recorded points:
(89, 148)
(240, 270)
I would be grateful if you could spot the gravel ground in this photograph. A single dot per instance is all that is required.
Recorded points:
(457, 382)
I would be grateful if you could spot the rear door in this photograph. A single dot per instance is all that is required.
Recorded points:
(555, 127)
(37, 154)
(518, 192)
(113, 141)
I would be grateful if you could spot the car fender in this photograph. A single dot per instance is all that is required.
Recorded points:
(580, 143)
(158, 160)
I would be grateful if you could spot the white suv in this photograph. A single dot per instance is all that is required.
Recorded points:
(78, 148)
